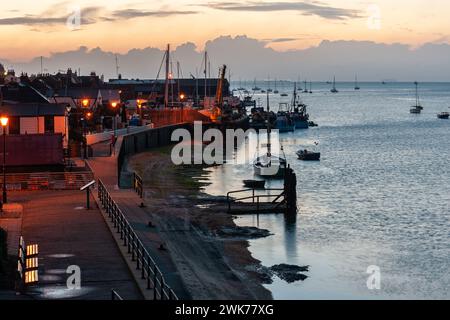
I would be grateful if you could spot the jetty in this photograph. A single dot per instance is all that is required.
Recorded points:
(265, 201)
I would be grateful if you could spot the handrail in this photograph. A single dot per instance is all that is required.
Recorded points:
(115, 295)
(144, 262)
(256, 197)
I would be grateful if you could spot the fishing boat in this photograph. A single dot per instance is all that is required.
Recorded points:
(356, 83)
(248, 102)
(306, 155)
(334, 90)
(255, 184)
(417, 106)
(443, 115)
(260, 118)
(269, 165)
(284, 121)
(298, 112)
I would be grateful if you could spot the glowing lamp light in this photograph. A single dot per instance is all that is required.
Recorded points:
(114, 104)
(85, 102)
(170, 75)
(4, 121)
(88, 115)
(181, 96)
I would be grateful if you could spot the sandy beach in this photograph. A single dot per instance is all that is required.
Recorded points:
(212, 265)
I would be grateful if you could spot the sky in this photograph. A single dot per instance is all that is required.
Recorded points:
(30, 28)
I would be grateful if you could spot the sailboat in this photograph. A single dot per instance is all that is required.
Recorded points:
(356, 83)
(334, 90)
(306, 88)
(276, 90)
(417, 108)
(269, 165)
(255, 87)
(269, 89)
(310, 87)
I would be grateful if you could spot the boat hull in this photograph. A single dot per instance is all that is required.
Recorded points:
(300, 124)
(308, 156)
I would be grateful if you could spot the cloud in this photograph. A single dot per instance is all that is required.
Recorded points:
(50, 18)
(134, 13)
(281, 40)
(305, 8)
(89, 15)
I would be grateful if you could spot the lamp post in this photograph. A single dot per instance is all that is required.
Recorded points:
(114, 106)
(4, 123)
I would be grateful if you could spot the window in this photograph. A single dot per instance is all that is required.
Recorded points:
(14, 125)
(49, 124)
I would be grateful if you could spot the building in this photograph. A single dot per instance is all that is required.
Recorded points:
(37, 130)
(191, 89)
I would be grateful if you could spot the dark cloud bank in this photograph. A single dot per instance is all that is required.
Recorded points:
(248, 58)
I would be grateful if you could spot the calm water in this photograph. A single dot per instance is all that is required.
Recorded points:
(380, 196)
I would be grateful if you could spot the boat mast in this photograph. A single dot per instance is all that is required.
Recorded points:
(117, 67)
(166, 90)
(206, 78)
(294, 98)
(269, 145)
(417, 94)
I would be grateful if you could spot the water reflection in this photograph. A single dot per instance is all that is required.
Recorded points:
(379, 197)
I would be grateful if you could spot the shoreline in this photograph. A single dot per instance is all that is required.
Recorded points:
(212, 263)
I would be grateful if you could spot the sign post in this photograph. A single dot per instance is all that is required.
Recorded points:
(88, 189)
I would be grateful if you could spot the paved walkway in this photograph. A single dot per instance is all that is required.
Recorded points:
(68, 234)
(129, 201)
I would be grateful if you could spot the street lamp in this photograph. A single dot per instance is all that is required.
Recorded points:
(114, 106)
(4, 123)
(68, 109)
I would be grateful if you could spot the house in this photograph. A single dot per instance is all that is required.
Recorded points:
(35, 118)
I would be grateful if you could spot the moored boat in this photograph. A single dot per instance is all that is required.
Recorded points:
(306, 155)
(334, 90)
(255, 184)
(443, 115)
(417, 108)
(298, 112)
(270, 165)
(284, 121)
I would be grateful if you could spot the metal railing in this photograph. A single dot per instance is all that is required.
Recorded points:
(138, 185)
(115, 296)
(139, 254)
(256, 198)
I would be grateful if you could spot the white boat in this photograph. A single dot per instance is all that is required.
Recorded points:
(269, 165)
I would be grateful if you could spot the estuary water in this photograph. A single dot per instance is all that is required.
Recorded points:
(380, 196)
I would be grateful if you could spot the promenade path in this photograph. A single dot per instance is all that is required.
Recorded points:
(105, 168)
(67, 235)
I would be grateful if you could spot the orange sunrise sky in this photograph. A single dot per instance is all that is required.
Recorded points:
(30, 28)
